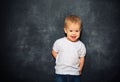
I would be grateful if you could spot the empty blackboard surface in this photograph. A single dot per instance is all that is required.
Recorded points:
(29, 28)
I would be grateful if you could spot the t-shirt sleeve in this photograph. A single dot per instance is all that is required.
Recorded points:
(56, 46)
(82, 51)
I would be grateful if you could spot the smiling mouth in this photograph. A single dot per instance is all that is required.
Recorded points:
(73, 37)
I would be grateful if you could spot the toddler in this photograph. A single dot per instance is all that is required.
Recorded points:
(69, 51)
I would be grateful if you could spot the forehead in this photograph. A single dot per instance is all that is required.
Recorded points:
(73, 26)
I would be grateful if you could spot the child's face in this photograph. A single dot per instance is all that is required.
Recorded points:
(73, 32)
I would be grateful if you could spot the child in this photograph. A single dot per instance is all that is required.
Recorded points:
(69, 52)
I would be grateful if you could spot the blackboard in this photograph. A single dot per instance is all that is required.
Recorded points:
(30, 27)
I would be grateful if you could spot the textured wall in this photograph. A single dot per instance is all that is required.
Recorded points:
(29, 28)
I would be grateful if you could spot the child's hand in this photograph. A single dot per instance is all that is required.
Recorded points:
(80, 73)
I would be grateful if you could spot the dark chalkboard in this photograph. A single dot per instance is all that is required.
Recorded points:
(30, 27)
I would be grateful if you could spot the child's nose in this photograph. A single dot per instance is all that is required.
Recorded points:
(74, 32)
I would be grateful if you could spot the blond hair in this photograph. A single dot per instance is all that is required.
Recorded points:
(72, 19)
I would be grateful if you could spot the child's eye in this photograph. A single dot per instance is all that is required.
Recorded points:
(70, 30)
(77, 30)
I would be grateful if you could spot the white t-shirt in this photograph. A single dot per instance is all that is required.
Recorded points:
(68, 57)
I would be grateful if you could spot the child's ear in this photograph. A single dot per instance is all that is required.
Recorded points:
(65, 30)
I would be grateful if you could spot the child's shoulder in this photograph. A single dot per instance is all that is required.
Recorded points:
(60, 39)
(81, 43)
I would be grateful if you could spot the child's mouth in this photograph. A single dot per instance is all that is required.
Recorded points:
(73, 37)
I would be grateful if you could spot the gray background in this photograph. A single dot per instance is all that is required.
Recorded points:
(29, 28)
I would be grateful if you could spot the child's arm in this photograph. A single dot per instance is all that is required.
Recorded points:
(54, 53)
(82, 59)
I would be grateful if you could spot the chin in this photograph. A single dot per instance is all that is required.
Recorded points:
(74, 40)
